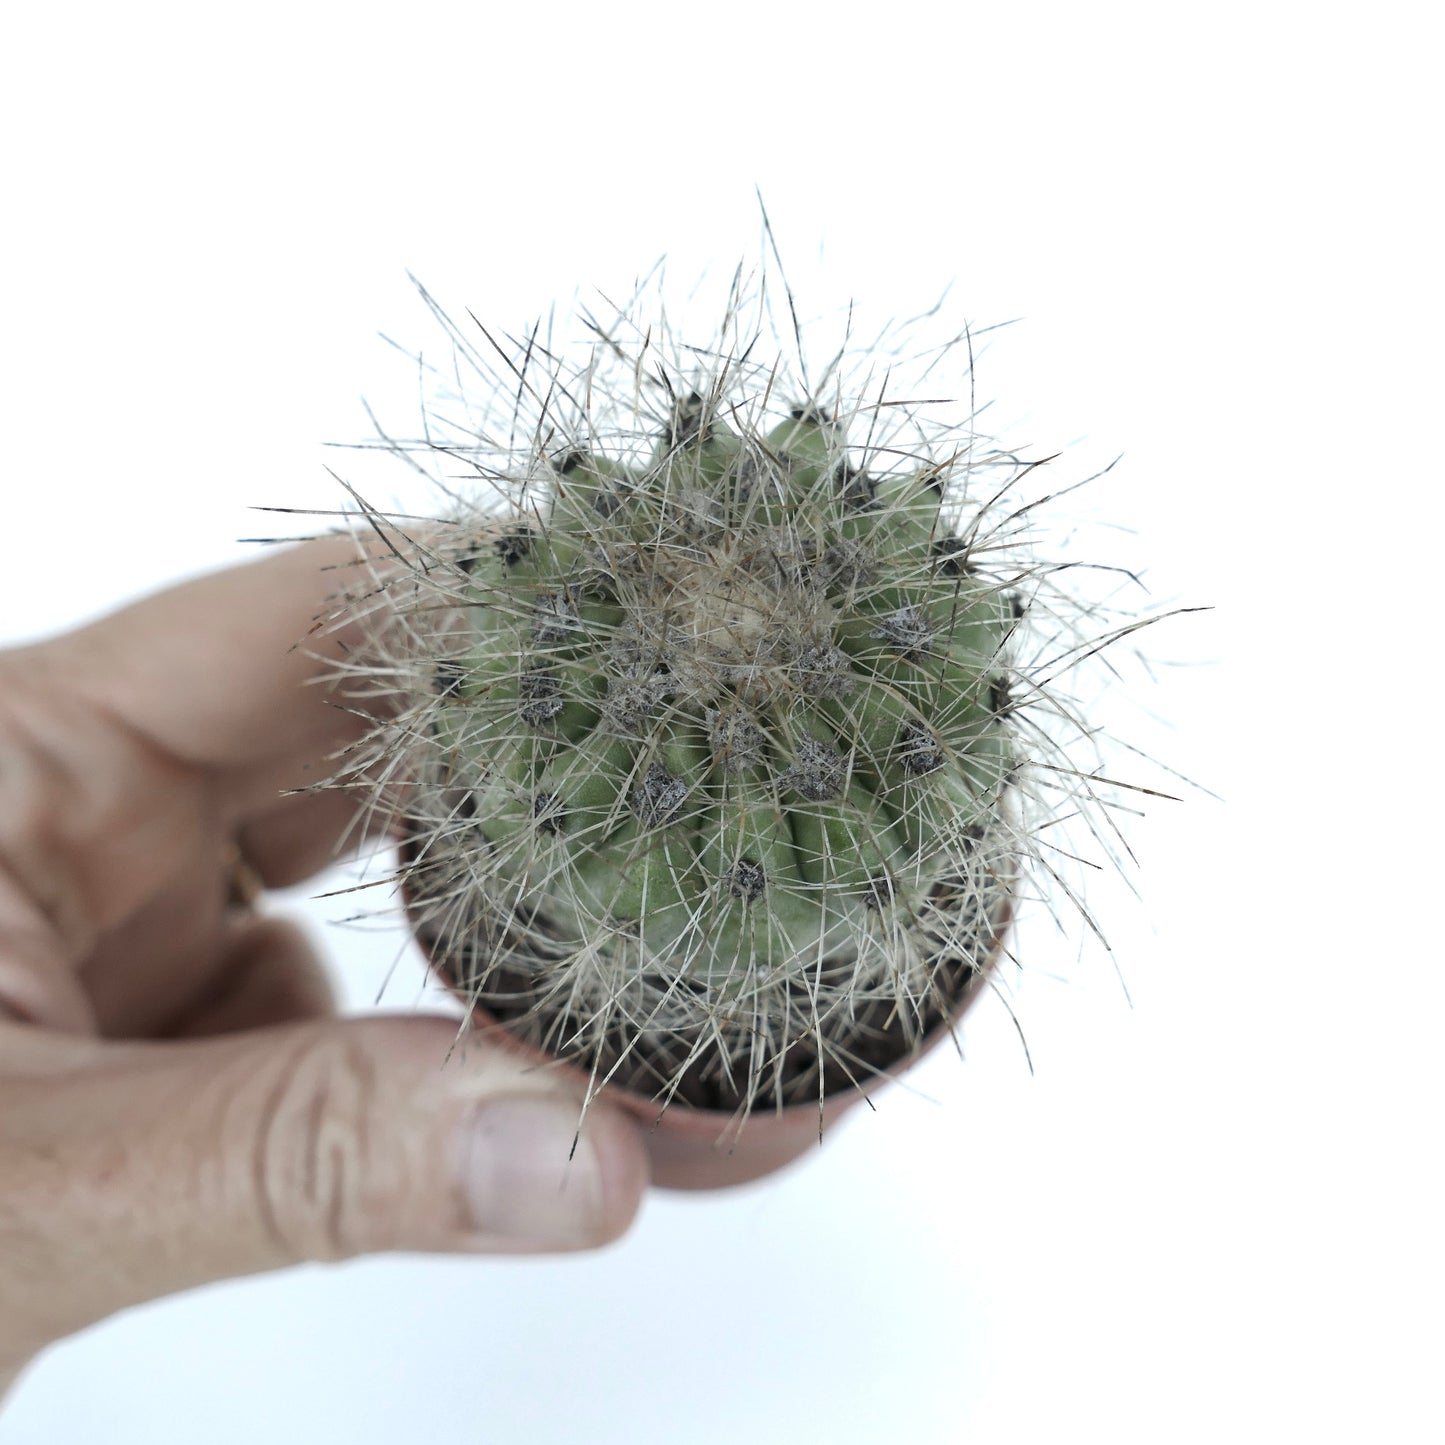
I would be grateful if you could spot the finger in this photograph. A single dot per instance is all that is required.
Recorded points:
(96, 829)
(267, 974)
(115, 870)
(36, 987)
(166, 957)
(297, 836)
(222, 673)
(154, 1168)
(139, 748)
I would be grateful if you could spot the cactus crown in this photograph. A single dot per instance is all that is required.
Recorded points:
(719, 749)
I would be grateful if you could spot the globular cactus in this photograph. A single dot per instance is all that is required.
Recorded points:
(714, 744)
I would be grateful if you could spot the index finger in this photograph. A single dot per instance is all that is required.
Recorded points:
(228, 673)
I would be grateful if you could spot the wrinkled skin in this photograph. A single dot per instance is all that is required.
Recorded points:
(178, 1101)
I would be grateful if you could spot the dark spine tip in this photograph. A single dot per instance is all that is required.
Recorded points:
(919, 752)
(447, 678)
(606, 501)
(547, 812)
(687, 423)
(879, 892)
(513, 546)
(952, 557)
(606, 495)
(659, 797)
(857, 489)
(539, 697)
(746, 880)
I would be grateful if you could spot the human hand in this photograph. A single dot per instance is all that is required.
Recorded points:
(178, 1102)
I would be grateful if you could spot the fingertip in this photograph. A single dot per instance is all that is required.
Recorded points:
(624, 1169)
(541, 1174)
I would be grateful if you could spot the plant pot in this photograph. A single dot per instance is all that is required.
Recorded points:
(707, 1148)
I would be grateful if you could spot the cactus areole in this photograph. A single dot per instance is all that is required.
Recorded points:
(712, 748)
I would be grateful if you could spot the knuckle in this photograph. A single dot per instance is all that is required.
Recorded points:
(313, 1164)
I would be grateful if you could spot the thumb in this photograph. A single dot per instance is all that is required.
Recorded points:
(137, 1170)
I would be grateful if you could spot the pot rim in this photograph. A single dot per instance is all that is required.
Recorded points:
(488, 1026)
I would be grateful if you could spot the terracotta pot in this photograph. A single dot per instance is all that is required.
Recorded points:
(694, 1148)
(701, 1149)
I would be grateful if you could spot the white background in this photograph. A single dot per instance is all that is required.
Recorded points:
(1212, 1215)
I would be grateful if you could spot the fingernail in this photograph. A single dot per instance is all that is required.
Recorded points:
(526, 1185)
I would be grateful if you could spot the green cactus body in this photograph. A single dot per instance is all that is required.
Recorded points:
(723, 740)
(712, 790)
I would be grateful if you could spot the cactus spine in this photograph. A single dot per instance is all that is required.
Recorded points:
(712, 747)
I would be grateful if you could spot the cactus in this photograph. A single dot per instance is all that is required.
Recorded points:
(718, 747)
